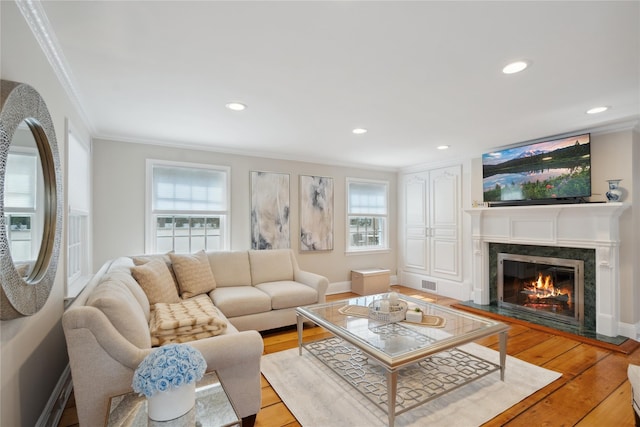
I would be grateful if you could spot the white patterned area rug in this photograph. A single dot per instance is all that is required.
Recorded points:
(318, 397)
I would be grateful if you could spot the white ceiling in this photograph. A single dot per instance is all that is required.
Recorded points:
(415, 74)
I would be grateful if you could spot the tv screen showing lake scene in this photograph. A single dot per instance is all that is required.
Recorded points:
(554, 169)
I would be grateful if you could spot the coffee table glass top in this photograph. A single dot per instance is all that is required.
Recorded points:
(398, 343)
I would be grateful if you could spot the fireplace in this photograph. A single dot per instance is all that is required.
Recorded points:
(566, 230)
(549, 287)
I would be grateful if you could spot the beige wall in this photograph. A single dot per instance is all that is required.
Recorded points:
(32, 349)
(119, 203)
(612, 158)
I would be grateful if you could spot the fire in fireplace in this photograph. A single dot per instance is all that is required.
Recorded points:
(548, 287)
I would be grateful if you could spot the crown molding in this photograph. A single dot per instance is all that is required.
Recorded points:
(629, 123)
(37, 20)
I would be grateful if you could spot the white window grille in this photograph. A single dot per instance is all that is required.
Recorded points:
(77, 241)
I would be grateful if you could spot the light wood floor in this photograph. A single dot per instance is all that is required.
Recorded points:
(593, 389)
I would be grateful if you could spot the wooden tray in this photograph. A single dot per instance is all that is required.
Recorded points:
(430, 320)
(355, 310)
(363, 311)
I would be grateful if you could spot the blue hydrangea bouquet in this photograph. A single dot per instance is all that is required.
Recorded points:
(167, 367)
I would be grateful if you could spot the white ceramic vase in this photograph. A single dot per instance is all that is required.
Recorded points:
(615, 192)
(171, 404)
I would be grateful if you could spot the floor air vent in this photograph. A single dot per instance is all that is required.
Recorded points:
(428, 285)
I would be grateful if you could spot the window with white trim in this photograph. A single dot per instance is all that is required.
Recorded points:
(188, 207)
(77, 254)
(367, 215)
(20, 210)
(78, 213)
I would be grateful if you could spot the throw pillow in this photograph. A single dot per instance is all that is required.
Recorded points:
(155, 280)
(193, 273)
(143, 259)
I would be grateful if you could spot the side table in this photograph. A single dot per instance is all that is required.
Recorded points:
(212, 409)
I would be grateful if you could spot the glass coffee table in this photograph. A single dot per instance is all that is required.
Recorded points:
(423, 356)
(212, 409)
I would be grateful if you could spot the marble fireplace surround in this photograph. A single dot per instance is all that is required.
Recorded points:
(586, 225)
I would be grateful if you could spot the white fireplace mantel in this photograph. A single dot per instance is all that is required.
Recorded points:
(588, 225)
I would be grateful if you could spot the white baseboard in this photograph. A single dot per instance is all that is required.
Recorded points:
(339, 287)
(342, 287)
(629, 330)
(52, 413)
(447, 288)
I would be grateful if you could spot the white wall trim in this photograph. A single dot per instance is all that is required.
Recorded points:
(339, 287)
(52, 412)
(38, 22)
(447, 288)
(629, 330)
(342, 287)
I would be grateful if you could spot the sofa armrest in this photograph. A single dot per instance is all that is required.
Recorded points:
(316, 281)
(236, 359)
(102, 361)
(99, 354)
(106, 335)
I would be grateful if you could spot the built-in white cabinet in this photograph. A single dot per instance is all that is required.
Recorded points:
(432, 222)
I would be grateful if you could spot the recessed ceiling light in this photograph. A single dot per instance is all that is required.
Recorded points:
(236, 106)
(515, 67)
(596, 110)
(442, 147)
(359, 131)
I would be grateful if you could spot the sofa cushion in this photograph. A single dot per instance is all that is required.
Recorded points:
(156, 282)
(22, 269)
(240, 300)
(287, 294)
(270, 266)
(117, 302)
(188, 320)
(193, 273)
(230, 268)
(136, 290)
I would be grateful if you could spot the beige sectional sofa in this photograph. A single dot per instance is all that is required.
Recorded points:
(107, 327)
(260, 290)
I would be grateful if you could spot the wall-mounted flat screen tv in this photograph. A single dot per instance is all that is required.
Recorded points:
(552, 171)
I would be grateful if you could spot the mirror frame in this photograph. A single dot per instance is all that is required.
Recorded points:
(19, 296)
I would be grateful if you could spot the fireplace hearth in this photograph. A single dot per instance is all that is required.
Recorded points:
(552, 288)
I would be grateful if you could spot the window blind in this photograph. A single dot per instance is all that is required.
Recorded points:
(367, 198)
(188, 189)
(20, 181)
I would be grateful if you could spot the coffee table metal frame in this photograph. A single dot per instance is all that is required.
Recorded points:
(460, 328)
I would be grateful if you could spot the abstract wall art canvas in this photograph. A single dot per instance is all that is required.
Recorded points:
(316, 213)
(270, 210)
